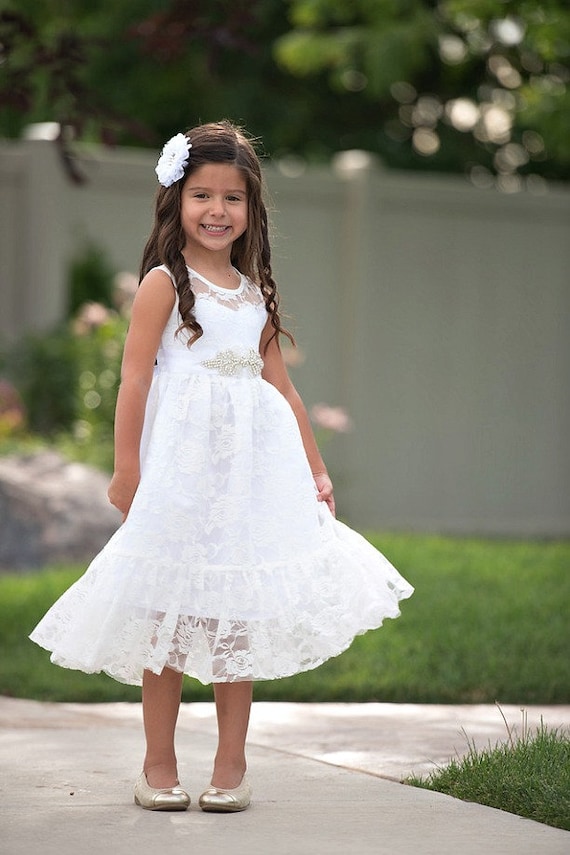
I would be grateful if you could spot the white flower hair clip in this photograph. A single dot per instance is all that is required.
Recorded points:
(173, 160)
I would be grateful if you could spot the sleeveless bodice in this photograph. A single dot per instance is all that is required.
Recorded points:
(232, 321)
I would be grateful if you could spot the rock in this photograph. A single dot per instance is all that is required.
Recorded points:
(52, 510)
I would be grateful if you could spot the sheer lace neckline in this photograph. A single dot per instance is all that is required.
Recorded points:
(210, 284)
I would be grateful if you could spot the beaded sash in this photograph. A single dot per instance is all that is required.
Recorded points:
(229, 362)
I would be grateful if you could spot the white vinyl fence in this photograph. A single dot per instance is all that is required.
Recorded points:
(436, 313)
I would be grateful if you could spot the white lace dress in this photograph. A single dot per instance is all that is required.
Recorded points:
(227, 568)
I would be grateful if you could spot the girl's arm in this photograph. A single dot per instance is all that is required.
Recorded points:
(151, 309)
(275, 372)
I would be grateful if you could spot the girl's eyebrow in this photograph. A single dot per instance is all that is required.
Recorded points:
(209, 189)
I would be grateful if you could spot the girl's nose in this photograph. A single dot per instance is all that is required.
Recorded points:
(217, 206)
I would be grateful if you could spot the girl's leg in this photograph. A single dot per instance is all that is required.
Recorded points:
(233, 704)
(161, 701)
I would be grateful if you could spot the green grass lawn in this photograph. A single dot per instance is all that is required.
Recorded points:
(528, 776)
(488, 621)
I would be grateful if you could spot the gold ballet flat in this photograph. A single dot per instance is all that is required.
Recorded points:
(218, 800)
(171, 798)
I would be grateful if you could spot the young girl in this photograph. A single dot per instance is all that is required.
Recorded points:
(229, 565)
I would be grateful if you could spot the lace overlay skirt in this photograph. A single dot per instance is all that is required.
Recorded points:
(227, 568)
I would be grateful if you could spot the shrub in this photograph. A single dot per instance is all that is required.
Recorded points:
(90, 279)
(68, 378)
(45, 370)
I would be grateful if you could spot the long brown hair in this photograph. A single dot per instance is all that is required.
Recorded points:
(217, 142)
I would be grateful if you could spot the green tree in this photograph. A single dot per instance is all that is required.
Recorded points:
(480, 85)
(452, 83)
(137, 71)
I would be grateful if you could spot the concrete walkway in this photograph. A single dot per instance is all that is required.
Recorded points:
(325, 780)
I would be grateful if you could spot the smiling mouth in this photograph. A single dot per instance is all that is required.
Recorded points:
(215, 230)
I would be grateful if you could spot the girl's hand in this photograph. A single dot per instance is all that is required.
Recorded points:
(122, 490)
(325, 490)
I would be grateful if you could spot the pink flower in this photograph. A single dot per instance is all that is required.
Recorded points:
(334, 419)
(90, 317)
(12, 411)
(292, 356)
(126, 285)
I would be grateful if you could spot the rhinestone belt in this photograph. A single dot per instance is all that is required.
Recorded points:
(229, 363)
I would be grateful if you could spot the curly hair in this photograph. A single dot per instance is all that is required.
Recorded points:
(216, 142)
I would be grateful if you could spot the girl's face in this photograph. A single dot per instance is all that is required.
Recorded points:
(213, 209)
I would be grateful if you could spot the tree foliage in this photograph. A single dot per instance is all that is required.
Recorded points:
(480, 85)
(459, 82)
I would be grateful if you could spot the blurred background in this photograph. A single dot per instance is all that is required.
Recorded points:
(417, 157)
